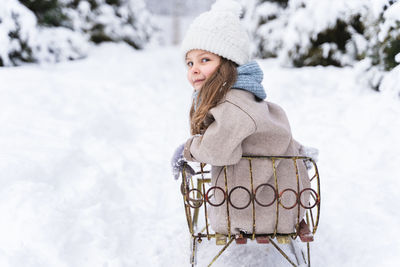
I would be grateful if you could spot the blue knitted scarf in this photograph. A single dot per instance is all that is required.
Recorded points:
(249, 78)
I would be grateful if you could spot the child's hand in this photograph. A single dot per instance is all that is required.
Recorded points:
(178, 161)
(311, 152)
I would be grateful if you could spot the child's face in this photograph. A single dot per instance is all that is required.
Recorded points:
(201, 65)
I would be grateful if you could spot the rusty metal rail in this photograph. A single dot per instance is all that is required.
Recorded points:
(197, 193)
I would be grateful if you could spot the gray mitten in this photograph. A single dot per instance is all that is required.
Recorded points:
(310, 152)
(177, 163)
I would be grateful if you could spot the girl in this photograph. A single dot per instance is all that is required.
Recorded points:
(229, 119)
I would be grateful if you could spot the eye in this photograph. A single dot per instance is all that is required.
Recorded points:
(204, 60)
(189, 63)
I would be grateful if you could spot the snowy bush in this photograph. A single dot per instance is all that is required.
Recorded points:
(282, 3)
(310, 32)
(17, 26)
(99, 20)
(387, 43)
(60, 44)
(57, 30)
(266, 29)
(384, 52)
(111, 20)
(321, 32)
(47, 12)
(22, 40)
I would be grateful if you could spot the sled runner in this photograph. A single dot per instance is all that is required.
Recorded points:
(197, 192)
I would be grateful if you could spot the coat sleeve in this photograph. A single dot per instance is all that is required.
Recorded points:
(297, 146)
(221, 143)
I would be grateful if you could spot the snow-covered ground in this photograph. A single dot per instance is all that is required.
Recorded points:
(85, 176)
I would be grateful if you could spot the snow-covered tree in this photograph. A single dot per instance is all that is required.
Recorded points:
(309, 32)
(110, 20)
(57, 30)
(47, 12)
(317, 32)
(384, 52)
(386, 42)
(323, 32)
(23, 40)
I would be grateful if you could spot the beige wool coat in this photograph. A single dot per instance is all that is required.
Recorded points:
(244, 127)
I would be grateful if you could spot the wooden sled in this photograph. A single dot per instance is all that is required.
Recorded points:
(195, 191)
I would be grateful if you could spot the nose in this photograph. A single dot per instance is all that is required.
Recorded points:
(195, 69)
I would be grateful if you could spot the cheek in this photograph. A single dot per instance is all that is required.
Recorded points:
(208, 73)
(210, 70)
(189, 76)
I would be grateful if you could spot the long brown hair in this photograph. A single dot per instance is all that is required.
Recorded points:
(211, 93)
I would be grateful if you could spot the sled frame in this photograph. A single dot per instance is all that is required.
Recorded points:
(196, 196)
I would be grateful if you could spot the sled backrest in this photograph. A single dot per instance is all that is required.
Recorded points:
(196, 192)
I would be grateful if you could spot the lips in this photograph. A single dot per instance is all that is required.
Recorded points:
(199, 80)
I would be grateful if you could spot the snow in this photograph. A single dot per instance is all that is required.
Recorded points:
(392, 13)
(85, 151)
(391, 83)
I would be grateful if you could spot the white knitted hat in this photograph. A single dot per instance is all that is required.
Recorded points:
(219, 31)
